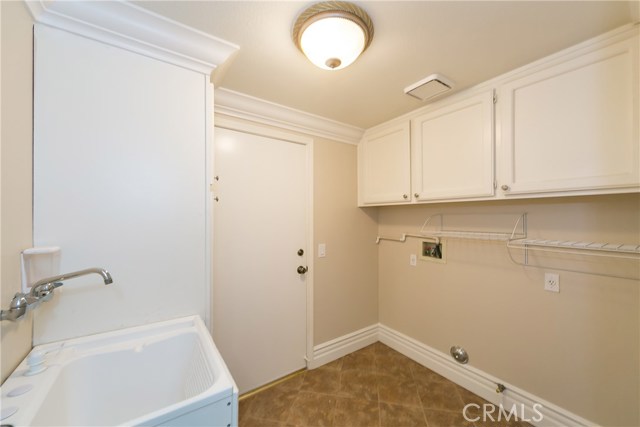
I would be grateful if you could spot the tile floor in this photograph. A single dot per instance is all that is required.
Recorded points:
(373, 387)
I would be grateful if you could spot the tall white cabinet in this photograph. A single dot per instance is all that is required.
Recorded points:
(122, 164)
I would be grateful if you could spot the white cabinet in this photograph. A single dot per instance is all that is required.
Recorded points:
(572, 128)
(452, 151)
(565, 125)
(445, 154)
(118, 139)
(384, 173)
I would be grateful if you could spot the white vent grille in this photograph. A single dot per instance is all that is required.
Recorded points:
(429, 87)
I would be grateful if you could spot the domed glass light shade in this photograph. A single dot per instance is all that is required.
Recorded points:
(333, 34)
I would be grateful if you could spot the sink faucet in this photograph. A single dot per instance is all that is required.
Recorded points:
(43, 289)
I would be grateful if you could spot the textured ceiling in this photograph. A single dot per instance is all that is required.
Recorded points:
(469, 42)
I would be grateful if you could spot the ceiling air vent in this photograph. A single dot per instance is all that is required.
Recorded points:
(429, 87)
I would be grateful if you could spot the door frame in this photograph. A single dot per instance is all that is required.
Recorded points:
(226, 122)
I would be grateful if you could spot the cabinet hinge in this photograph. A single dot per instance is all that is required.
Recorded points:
(495, 98)
(495, 184)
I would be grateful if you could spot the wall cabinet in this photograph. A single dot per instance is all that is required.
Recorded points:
(444, 154)
(573, 127)
(384, 169)
(568, 125)
(452, 151)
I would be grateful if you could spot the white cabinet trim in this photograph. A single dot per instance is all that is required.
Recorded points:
(127, 26)
(241, 106)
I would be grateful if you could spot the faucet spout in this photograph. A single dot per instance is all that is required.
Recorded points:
(42, 285)
(43, 289)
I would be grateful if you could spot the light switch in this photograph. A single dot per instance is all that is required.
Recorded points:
(322, 250)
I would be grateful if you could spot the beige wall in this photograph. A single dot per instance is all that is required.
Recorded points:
(578, 349)
(345, 282)
(16, 172)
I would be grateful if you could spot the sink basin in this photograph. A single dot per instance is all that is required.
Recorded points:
(167, 373)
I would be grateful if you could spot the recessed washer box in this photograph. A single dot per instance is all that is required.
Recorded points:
(432, 251)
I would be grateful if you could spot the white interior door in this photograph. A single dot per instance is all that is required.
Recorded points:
(259, 299)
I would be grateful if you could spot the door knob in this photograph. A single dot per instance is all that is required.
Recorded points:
(302, 270)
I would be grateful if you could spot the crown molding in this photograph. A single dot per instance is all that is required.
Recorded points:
(127, 26)
(234, 104)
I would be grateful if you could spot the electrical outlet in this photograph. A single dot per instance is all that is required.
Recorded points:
(413, 260)
(551, 282)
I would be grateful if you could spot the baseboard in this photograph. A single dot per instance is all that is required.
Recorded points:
(536, 411)
(529, 407)
(341, 346)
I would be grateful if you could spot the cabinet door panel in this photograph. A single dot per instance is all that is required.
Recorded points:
(452, 150)
(384, 166)
(574, 126)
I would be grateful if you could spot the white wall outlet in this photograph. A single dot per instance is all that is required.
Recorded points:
(551, 282)
(413, 260)
(322, 250)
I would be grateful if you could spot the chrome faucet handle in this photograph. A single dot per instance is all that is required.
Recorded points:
(45, 290)
(17, 308)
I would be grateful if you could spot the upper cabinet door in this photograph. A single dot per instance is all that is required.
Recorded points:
(573, 128)
(384, 166)
(452, 150)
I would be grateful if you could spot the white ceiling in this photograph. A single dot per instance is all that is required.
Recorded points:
(467, 41)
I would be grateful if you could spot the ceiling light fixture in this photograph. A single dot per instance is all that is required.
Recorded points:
(333, 34)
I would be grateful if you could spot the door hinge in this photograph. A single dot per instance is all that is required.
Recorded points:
(495, 98)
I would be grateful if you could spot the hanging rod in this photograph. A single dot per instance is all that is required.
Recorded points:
(473, 235)
(403, 238)
(590, 252)
(615, 250)
(437, 221)
(519, 231)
